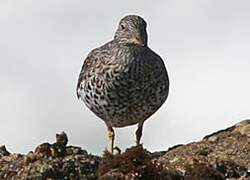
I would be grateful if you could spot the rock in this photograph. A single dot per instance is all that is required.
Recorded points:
(50, 161)
(61, 139)
(226, 151)
(221, 155)
(243, 128)
(3, 151)
(203, 172)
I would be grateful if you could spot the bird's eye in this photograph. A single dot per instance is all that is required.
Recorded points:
(122, 26)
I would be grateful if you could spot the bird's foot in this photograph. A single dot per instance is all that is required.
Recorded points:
(116, 150)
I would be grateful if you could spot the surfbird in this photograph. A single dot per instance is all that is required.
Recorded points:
(123, 81)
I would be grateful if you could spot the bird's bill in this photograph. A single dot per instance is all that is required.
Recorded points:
(136, 39)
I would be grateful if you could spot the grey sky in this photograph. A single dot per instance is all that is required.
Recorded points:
(205, 46)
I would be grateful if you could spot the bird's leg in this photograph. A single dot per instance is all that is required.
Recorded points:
(111, 136)
(139, 133)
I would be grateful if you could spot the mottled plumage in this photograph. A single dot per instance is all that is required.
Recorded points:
(124, 82)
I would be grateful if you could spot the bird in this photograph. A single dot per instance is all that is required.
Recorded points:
(124, 82)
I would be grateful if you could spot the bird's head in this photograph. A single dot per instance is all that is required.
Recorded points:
(132, 30)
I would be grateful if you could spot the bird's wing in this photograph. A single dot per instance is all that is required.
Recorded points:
(86, 69)
(158, 69)
(95, 60)
(154, 65)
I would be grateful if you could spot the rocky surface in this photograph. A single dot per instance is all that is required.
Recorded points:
(221, 155)
(226, 151)
(49, 161)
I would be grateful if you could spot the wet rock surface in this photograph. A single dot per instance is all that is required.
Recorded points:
(221, 155)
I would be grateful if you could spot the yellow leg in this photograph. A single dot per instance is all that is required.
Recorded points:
(139, 133)
(111, 136)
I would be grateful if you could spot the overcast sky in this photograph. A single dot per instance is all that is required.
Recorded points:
(205, 45)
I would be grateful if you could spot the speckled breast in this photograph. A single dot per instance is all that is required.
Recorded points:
(127, 91)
